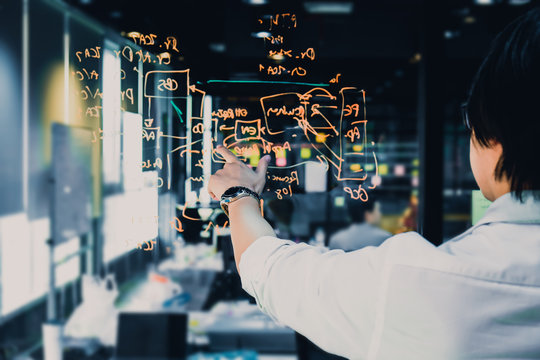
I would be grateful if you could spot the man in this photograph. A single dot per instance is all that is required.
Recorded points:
(364, 230)
(474, 297)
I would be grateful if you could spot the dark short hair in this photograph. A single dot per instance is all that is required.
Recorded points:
(358, 208)
(504, 102)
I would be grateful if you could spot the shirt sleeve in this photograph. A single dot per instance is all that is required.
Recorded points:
(328, 296)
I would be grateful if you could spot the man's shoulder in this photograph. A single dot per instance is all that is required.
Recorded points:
(375, 230)
(340, 238)
(409, 248)
(357, 236)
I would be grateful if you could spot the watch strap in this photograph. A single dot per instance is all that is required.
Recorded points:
(240, 192)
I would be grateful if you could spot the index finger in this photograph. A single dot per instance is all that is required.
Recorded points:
(227, 154)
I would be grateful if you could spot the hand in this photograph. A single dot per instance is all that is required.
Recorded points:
(236, 173)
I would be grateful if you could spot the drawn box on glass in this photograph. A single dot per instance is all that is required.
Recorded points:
(321, 111)
(310, 111)
(282, 112)
(173, 84)
(353, 134)
(353, 158)
(352, 166)
(245, 130)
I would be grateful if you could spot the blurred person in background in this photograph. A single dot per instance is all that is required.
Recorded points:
(364, 230)
(407, 222)
(476, 296)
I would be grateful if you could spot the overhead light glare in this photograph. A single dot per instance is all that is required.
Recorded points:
(277, 57)
(518, 2)
(484, 2)
(217, 47)
(322, 7)
(133, 34)
(261, 34)
(256, 2)
(116, 14)
(469, 20)
(205, 213)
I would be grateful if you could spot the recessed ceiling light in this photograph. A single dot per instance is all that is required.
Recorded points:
(277, 57)
(116, 14)
(261, 34)
(217, 47)
(485, 2)
(133, 34)
(256, 2)
(469, 19)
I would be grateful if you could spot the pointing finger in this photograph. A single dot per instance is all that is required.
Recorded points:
(227, 155)
(262, 166)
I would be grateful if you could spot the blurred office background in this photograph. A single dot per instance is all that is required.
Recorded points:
(80, 219)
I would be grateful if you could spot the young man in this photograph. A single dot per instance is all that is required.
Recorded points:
(364, 230)
(476, 296)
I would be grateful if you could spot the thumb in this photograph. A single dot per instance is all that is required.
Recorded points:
(262, 166)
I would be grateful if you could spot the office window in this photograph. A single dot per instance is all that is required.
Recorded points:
(112, 140)
(16, 264)
(39, 233)
(25, 264)
(132, 151)
(131, 219)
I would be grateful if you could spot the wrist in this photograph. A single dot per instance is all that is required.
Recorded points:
(246, 202)
(235, 193)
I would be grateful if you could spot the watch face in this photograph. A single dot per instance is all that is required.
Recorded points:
(232, 191)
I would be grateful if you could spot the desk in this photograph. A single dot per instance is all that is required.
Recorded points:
(239, 325)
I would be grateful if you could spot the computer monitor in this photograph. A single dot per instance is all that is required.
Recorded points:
(479, 205)
(306, 350)
(151, 336)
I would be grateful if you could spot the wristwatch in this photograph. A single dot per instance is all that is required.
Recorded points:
(234, 193)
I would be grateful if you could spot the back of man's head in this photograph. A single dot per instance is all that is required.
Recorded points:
(358, 209)
(503, 104)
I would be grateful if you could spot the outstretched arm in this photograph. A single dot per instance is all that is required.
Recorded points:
(313, 291)
(246, 221)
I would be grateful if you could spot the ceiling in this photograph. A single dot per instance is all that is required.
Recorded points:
(377, 43)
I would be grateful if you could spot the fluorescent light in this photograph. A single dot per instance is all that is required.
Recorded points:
(518, 2)
(319, 7)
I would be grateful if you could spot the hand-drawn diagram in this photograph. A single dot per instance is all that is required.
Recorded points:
(322, 123)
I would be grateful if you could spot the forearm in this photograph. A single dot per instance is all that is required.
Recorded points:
(247, 225)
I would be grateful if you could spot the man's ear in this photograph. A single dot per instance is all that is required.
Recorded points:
(496, 149)
(492, 143)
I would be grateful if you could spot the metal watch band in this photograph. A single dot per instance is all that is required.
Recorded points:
(239, 192)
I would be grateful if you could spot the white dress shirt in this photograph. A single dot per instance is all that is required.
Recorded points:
(474, 297)
(358, 236)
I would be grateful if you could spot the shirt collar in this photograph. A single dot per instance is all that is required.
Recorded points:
(508, 209)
